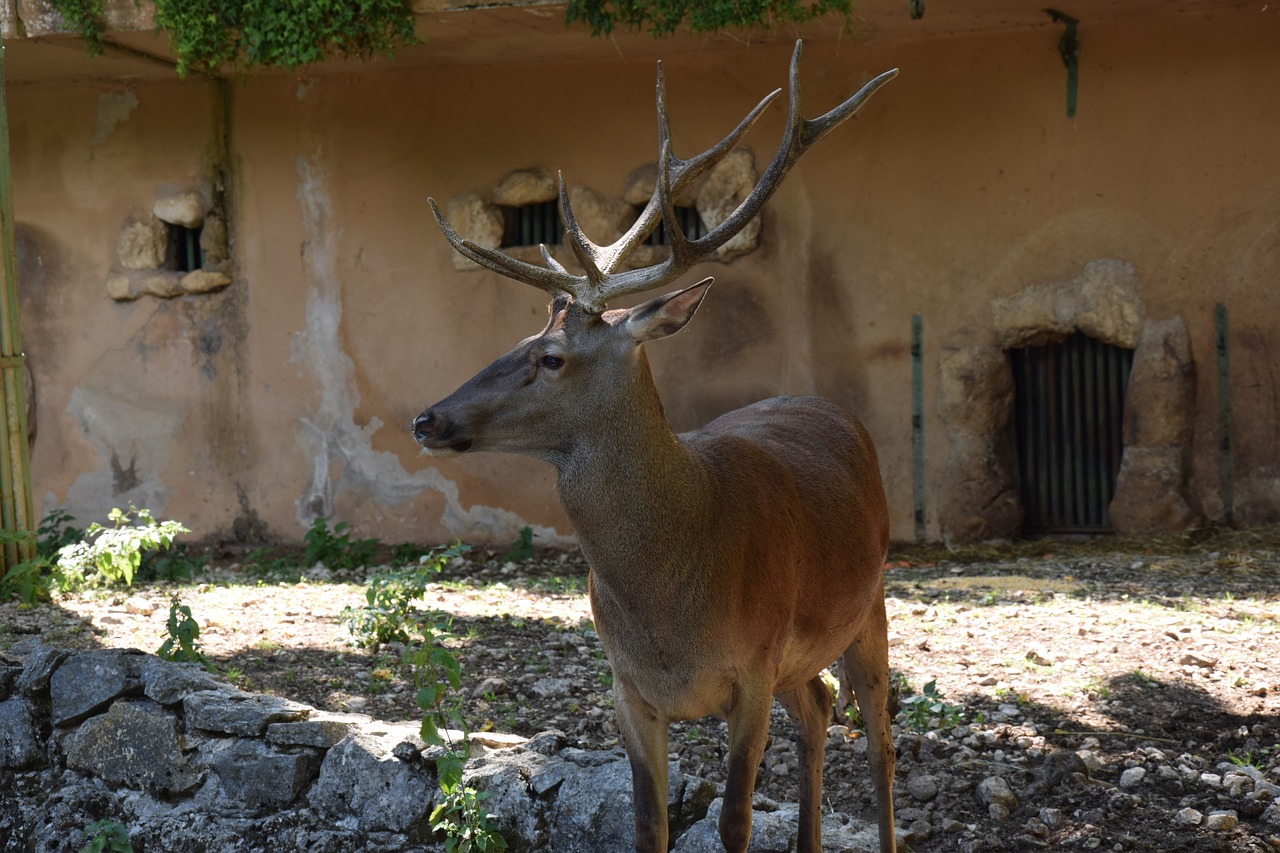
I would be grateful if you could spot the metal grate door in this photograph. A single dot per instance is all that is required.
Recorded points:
(1069, 408)
(532, 224)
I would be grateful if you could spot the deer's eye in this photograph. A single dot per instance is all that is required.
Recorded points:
(552, 362)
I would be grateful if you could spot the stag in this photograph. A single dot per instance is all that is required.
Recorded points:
(729, 565)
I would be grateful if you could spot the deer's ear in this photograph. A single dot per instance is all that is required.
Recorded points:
(666, 314)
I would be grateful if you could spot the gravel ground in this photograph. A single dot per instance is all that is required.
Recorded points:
(1106, 695)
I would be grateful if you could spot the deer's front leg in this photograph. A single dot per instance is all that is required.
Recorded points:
(644, 734)
(748, 731)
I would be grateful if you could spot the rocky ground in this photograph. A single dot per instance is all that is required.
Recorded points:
(1120, 695)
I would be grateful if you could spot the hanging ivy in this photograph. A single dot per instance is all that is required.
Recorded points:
(663, 17)
(209, 34)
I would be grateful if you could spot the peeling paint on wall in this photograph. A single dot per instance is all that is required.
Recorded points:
(113, 108)
(131, 430)
(329, 433)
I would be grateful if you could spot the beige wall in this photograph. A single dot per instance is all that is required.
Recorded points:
(290, 393)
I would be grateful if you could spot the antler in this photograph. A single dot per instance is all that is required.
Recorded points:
(602, 279)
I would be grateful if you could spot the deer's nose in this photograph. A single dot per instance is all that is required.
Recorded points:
(424, 426)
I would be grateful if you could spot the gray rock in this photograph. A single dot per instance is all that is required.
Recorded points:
(236, 713)
(1132, 777)
(774, 831)
(86, 683)
(168, 682)
(19, 738)
(322, 729)
(923, 788)
(38, 669)
(255, 777)
(135, 743)
(361, 782)
(994, 789)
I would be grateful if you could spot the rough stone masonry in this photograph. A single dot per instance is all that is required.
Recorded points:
(189, 763)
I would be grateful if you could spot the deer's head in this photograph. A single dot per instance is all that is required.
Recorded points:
(587, 367)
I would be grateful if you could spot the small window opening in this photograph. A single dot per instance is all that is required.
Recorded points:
(182, 254)
(1069, 415)
(532, 225)
(690, 223)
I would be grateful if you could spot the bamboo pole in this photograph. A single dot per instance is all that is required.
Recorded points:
(16, 508)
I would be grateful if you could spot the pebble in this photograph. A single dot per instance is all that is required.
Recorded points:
(1221, 820)
(1189, 816)
(994, 790)
(1132, 777)
(922, 788)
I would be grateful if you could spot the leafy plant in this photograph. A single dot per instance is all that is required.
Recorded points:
(522, 550)
(107, 835)
(924, 708)
(207, 34)
(113, 554)
(183, 642)
(663, 17)
(460, 816)
(30, 579)
(55, 532)
(336, 549)
(389, 613)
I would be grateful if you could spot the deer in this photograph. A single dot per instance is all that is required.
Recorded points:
(728, 565)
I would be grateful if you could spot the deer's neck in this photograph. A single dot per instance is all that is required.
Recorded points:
(629, 481)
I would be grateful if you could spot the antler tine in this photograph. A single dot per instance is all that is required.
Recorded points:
(684, 172)
(553, 281)
(587, 252)
(799, 135)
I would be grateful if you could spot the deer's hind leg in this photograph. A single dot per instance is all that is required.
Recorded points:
(866, 665)
(810, 710)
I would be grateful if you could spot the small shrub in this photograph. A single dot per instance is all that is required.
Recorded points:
(390, 613)
(108, 555)
(336, 549)
(928, 707)
(107, 835)
(522, 550)
(183, 642)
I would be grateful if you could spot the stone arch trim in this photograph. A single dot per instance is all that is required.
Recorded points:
(979, 491)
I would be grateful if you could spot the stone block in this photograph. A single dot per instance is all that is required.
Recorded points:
(255, 777)
(726, 187)
(236, 713)
(142, 243)
(525, 186)
(19, 735)
(476, 220)
(1159, 406)
(601, 218)
(135, 743)
(204, 281)
(38, 669)
(87, 683)
(184, 208)
(322, 729)
(360, 779)
(169, 683)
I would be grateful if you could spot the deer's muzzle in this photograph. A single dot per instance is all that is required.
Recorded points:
(437, 436)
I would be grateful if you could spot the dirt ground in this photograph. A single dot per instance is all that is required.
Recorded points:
(1108, 695)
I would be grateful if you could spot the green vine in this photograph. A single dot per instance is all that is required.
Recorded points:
(663, 17)
(209, 34)
(85, 17)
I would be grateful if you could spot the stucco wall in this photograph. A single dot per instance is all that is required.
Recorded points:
(290, 393)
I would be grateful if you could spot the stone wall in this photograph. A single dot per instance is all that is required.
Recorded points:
(188, 763)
